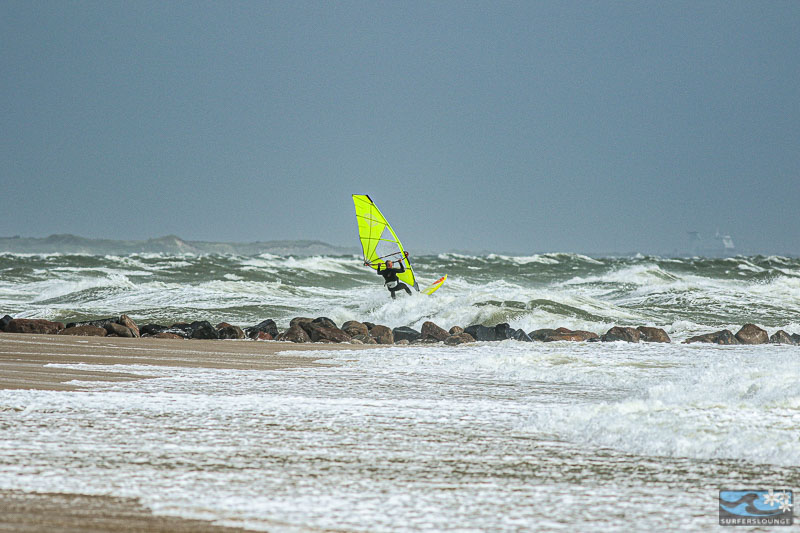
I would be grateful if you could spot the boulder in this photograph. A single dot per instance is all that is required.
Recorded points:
(459, 338)
(84, 331)
(405, 333)
(564, 334)
(353, 328)
(324, 322)
(781, 337)
(382, 334)
(263, 336)
(125, 320)
(296, 321)
(796, 338)
(100, 323)
(266, 326)
(403, 342)
(4, 322)
(32, 325)
(503, 331)
(520, 335)
(167, 335)
(228, 331)
(365, 339)
(649, 334)
(322, 333)
(752, 334)
(369, 325)
(432, 331)
(541, 334)
(480, 333)
(151, 330)
(112, 328)
(718, 337)
(181, 328)
(621, 333)
(202, 329)
(355, 341)
(294, 334)
(455, 330)
(426, 340)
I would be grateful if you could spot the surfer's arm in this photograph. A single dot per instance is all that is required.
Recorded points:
(402, 268)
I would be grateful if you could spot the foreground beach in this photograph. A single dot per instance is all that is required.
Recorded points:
(24, 361)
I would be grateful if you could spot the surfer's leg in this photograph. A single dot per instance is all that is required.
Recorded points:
(404, 287)
(391, 291)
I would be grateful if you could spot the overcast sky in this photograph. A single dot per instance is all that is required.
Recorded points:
(531, 126)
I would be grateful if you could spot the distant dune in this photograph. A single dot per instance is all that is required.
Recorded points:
(169, 244)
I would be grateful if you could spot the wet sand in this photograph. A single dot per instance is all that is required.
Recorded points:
(23, 360)
(23, 357)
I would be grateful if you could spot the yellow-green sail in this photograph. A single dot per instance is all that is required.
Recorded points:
(378, 239)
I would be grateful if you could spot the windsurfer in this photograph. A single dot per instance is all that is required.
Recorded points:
(390, 276)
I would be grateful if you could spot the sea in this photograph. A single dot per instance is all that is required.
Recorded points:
(492, 436)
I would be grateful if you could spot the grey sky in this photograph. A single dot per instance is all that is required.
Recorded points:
(530, 126)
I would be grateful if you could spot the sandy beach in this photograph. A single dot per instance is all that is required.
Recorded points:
(23, 365)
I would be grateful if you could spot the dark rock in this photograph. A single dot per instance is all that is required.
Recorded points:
(355, 341)
(324, 322)
(112, 328)
(294, 334)
(202, 329)
(455, 330)
(621, 333)
(322, 333)
(4, 322)
(365, 339)
(353, 328)
(32, 325)
(125, 320)
(84, 331)
(541, 334)
(266, 326)
(459, 338)
(480, 333)
(296, 321)
(503, 331)
(100, 323)
(167, 335)
(228, 331)
(718, 337)
(369, 325)
(796, 338)
(405, 333)
(382, 334)
(520, 335)
(752, 334)
(263, 336)
(179, 327)
(432, 331)
(564, 334)
(649, 334)
(426, 340)
(781, 337)
(151, 330)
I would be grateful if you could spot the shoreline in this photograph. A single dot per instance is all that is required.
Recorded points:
(68, 513)
(23, 357)
(23, 360)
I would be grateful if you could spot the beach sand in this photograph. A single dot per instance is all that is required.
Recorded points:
(23, 360)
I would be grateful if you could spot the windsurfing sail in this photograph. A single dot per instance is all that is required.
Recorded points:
(378, 240)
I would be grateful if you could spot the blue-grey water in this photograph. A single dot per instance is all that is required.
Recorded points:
(486, 437)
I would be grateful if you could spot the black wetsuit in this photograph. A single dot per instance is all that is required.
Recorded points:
(392, 283)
